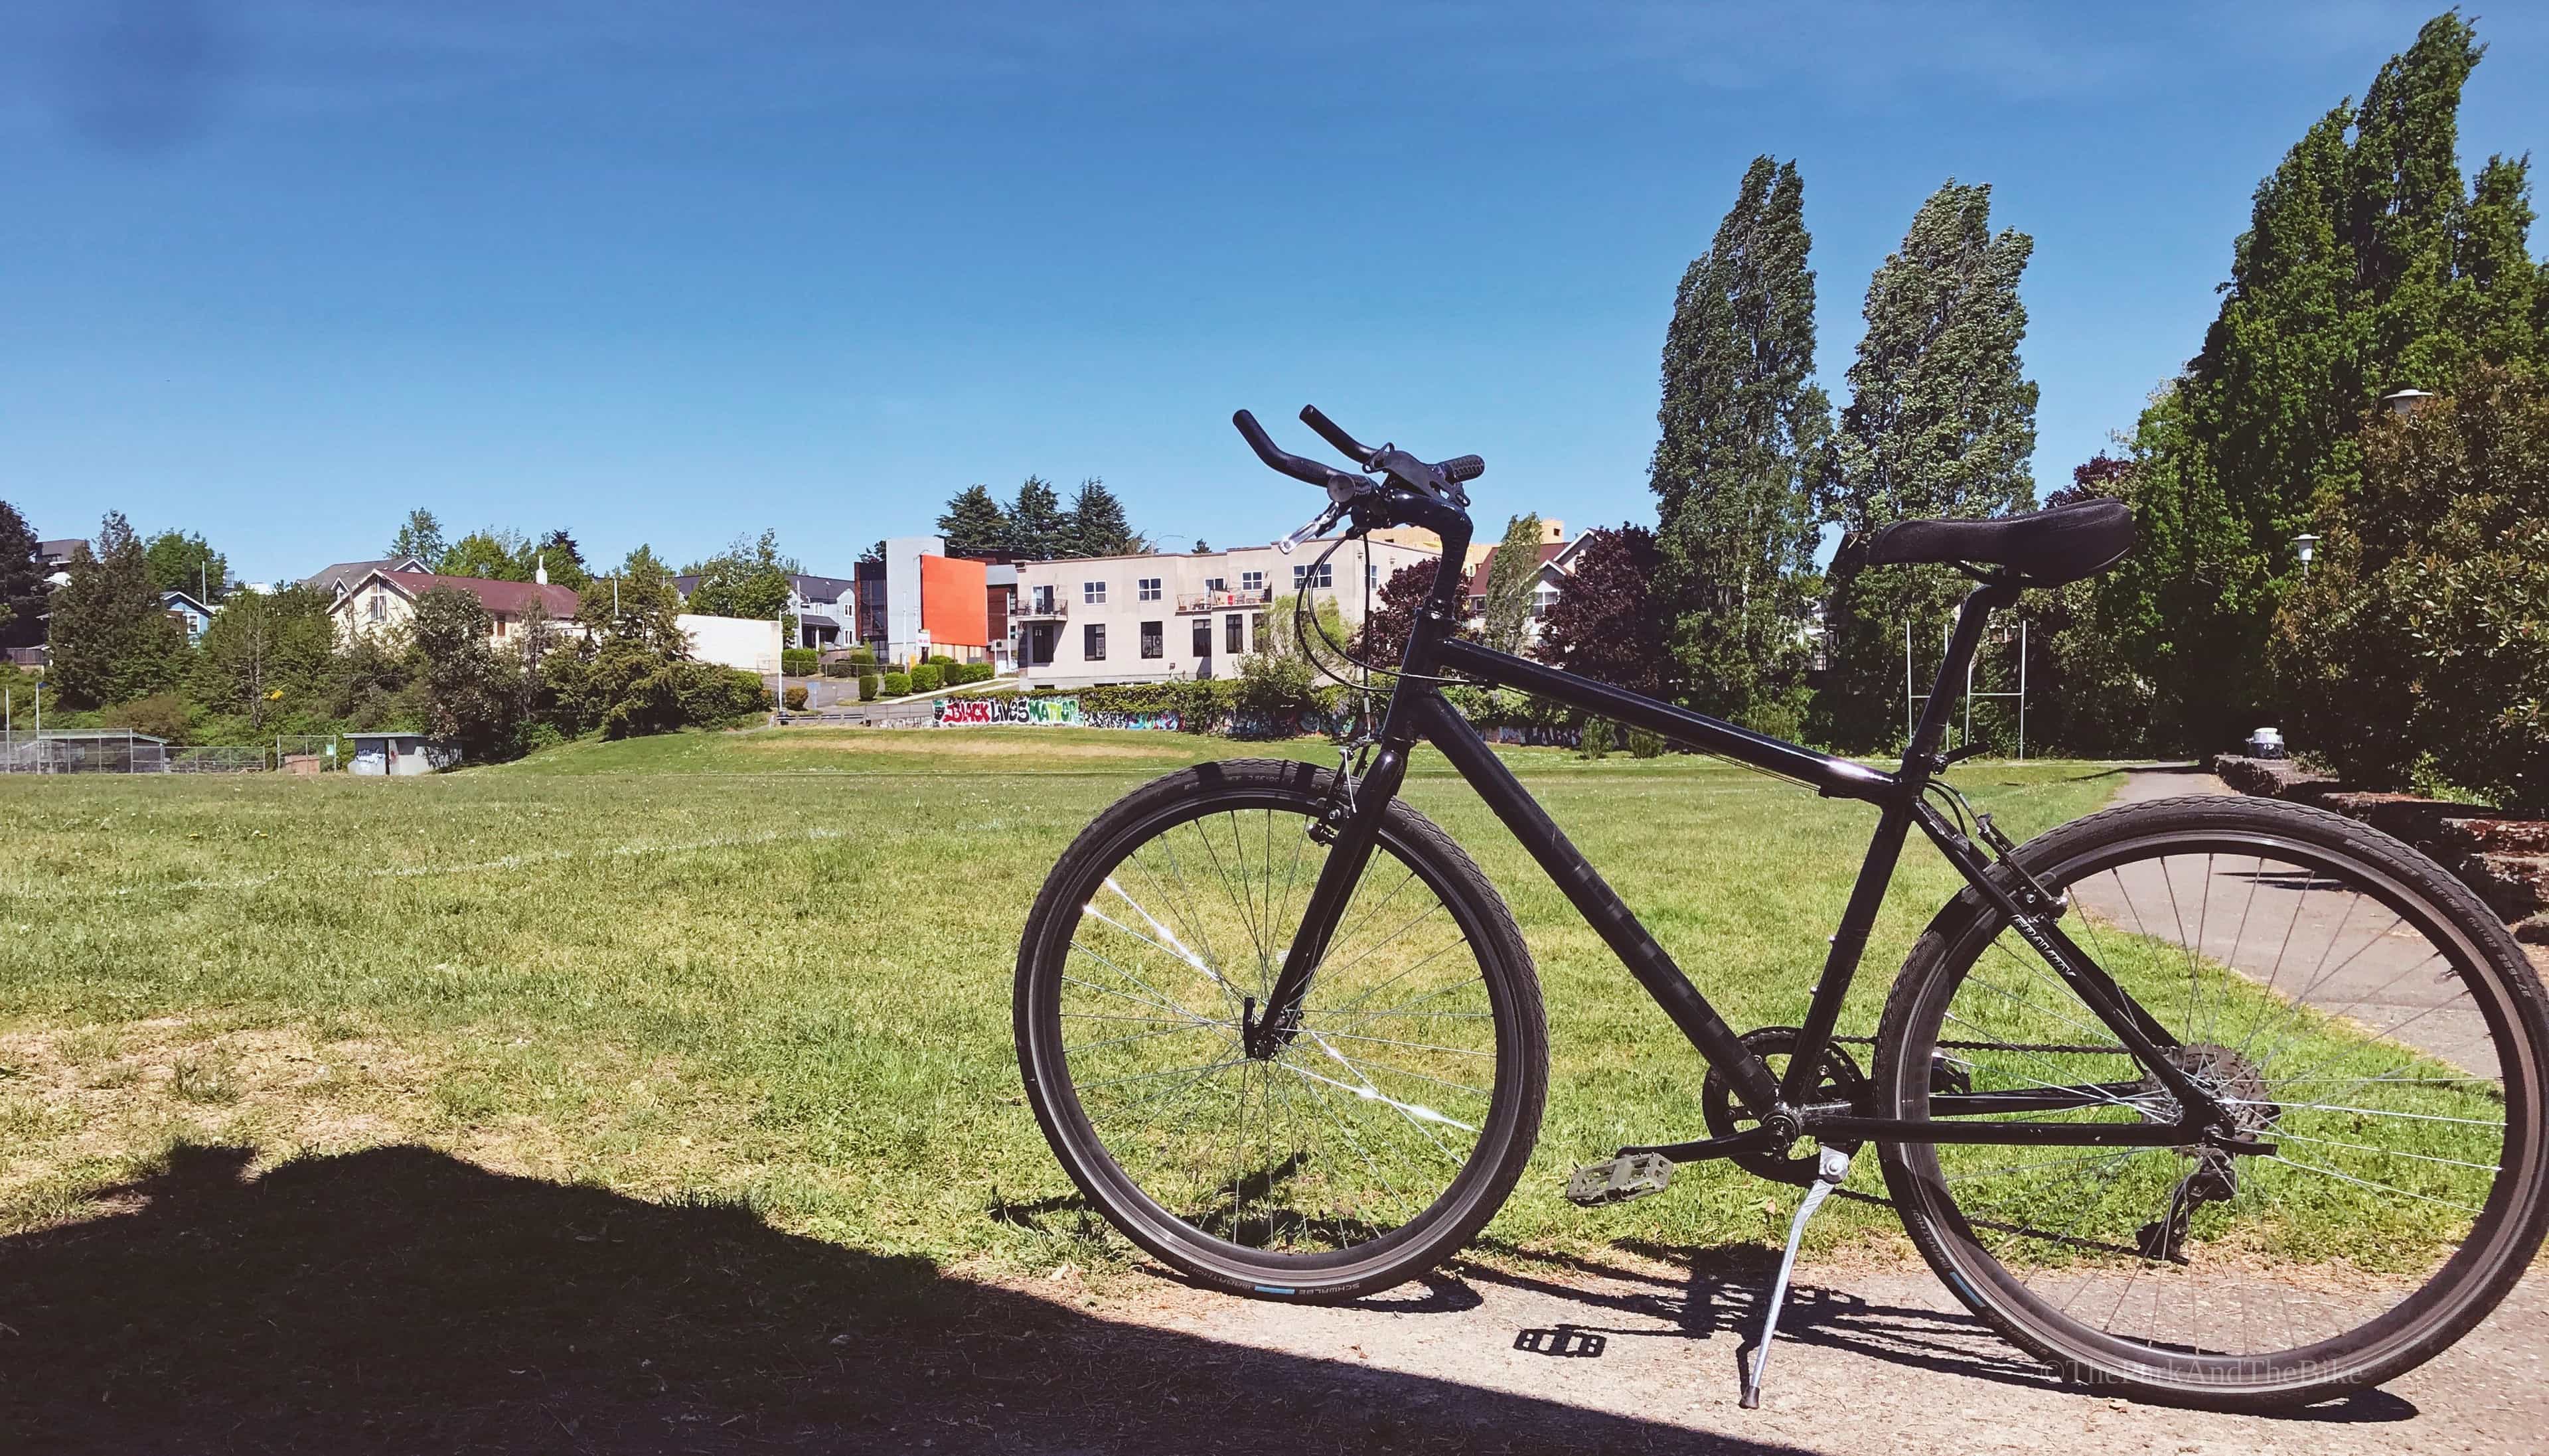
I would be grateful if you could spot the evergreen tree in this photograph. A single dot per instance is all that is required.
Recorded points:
(184, 563)
(22, 581)
(1038, 528)
(421, 537)
(2366, 268)
(637, 604)
(1940, 424)
(1742, 429)
(471, 695)
(1512, 572)
(111, 641)
(973, 523)
(563, 560)
(1097, 526)
(267, 656)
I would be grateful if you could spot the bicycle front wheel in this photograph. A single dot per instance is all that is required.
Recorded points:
(1359, 1155)
(2354, 1007)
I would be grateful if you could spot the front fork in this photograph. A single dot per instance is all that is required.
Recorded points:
(1354, 826)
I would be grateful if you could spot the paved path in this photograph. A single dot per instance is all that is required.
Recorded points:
(2333, 949)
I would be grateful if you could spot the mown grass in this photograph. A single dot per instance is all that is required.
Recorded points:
(775, 967)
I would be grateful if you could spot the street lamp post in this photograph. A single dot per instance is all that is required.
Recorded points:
(2405, 403)
(2307, 546)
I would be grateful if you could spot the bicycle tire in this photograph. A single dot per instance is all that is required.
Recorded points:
(1217, 1250)
(1970, 1246)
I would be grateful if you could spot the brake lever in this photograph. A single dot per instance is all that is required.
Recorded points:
(1319, 527)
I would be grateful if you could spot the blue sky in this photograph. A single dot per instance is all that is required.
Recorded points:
(279, 271)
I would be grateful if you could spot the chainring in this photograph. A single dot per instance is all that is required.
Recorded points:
(1841, 1081)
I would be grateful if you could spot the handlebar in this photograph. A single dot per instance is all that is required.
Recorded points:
(1338, 484)
(1355, 450)
(1411, 491)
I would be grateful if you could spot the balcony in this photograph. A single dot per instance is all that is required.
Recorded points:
(1031, 610)
(1193, 601)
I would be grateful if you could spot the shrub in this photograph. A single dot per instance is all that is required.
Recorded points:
(898, 685)
(960, 673)
(928, 678)
(795, 698)
(939, 660)
(800, 662)
(168, 715)
(869, 687)
(840, 667)
(865, 657)
(2423, 631)
(1644, 745)
(1595, 741)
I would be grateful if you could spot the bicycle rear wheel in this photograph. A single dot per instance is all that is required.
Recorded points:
(1355, 1156)
(2351, 1001)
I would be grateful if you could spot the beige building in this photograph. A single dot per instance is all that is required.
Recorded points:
(1157, 618)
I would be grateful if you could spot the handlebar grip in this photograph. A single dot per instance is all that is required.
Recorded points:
(1330, 431)
(1464, 468)
(1309, 471)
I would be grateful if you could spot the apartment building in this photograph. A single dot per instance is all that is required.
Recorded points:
(1105, 620)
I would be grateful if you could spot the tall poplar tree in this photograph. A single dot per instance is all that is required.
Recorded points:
(1941, 422)
(22, 581)
(1741, 427)
(2367, 267)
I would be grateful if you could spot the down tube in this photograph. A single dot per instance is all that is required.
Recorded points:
(1600, 906)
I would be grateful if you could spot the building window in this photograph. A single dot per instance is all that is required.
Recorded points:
(1252, 581)
(1542, 597)
(1216, 583)
(1093, 642)
(1044, 599)
(380, 607)
(1154, 640)
(1146, 588)
(1231, 641)
(1323, 574)
(1203, 637)
(500, 624)
(1093, 593)
(1257, 636)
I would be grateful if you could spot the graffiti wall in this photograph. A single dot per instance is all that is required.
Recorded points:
(1046, 712)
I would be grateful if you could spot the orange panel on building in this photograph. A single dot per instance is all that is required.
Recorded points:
(952, 607)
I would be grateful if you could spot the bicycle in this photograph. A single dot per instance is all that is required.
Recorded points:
(1279, 1029)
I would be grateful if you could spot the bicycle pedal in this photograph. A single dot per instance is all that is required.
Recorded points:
(1619, 1179)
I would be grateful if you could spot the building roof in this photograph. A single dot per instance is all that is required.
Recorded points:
(52, 550)
(1549, 551)
(173, 596)
(510, 599)
(345, 574)
(818, 619)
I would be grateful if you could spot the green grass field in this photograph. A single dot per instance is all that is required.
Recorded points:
(775, 967)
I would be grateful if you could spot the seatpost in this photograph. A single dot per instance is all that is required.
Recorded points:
(1918, 761)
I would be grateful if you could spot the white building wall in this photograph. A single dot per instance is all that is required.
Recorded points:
(902, 593)
(750, 644)
(1110, 592)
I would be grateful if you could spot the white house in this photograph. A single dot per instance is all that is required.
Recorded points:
(750, 644)
(1100, 619)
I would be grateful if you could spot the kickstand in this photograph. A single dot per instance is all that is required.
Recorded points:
(1834, 1167)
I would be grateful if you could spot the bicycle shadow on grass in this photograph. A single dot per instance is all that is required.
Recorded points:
(1719, 1294)
(402, 1299)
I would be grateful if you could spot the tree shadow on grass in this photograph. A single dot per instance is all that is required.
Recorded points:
(1720, 1295)
(401, 1300)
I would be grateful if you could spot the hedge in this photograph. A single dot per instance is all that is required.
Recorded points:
(800, 662)
(928, 678)
(898, 685)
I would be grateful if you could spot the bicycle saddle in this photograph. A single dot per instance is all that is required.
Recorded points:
(2042, 548)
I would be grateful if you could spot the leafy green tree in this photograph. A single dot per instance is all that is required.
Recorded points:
(1097, 525)
(1606, 624)
(184, 563)
(1038, 528)
(563, 560)
(2367, 267)
(2422, 632)
(1386, 628)
(1743, 431)
(638, 604)
(973, 523)
(472, 694)
(22, 581)
(111, 639)
(421, 537)
(749, 579)
(1941, 422)
(488, 554)
(1511, 574)
(267, 656)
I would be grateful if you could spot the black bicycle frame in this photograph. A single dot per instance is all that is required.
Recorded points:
(1785, 1108)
